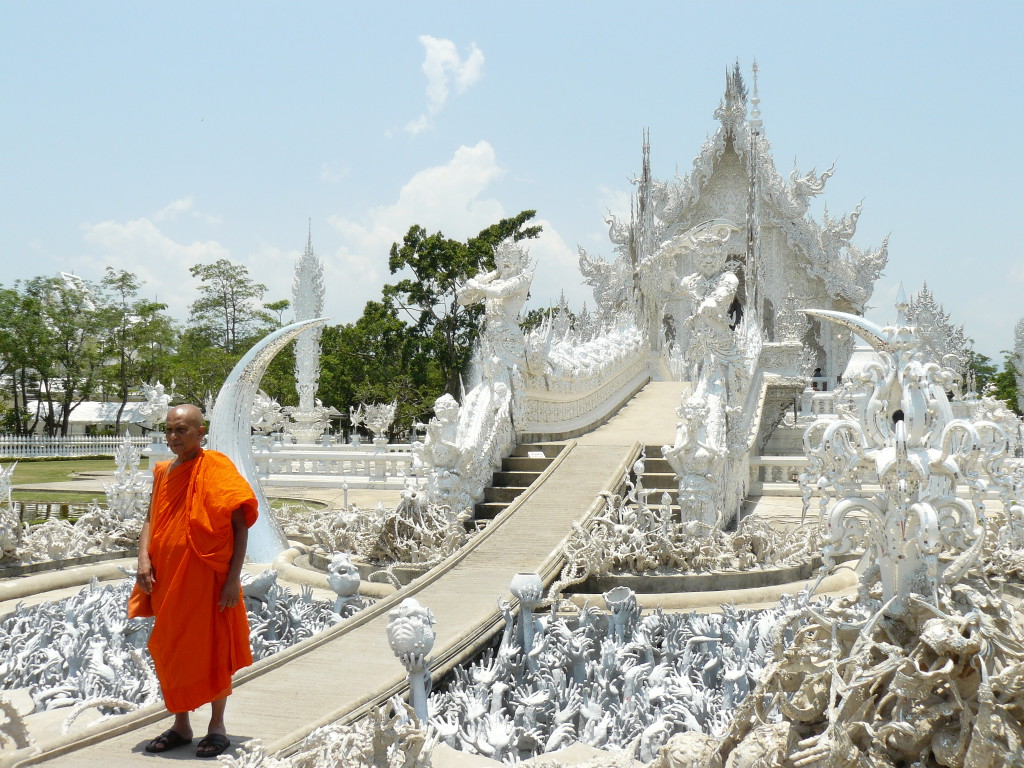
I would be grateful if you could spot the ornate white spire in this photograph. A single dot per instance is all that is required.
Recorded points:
(755, 101)
(308, 296)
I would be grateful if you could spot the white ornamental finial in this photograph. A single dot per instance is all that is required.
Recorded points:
(901, 306)
(755, 115)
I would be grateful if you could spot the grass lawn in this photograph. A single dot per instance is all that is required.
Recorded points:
(56, 470)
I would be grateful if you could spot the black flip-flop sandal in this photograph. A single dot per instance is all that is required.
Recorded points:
(212, 745)
(168, 740)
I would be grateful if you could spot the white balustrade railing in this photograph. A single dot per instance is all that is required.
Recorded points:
(554, 405)
(814, 405)
(42, 446)
(281, 462)
(280, 441)
(776, 469)
(823, 404)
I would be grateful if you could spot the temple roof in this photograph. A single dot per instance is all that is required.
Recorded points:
(847, 272)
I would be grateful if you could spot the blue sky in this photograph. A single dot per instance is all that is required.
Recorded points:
(152, 136)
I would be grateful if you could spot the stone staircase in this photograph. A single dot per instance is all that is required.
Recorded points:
(658, 474)
(774, 472)
(518, 472)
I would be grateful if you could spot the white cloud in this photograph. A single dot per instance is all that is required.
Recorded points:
(171, 211)
(332, 173)
(447, 197)
(557, 271)
(140, 247)
(451, 198)
(445, 69)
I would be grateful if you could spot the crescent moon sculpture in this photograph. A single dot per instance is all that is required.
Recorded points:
(231, 432)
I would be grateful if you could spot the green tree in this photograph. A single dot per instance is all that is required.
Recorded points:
(534, 317)
(279, 380)
(1003, 381)
(138, 335)
(199, 368)
(982, 369)
(377, 359)
(10, 347)
(13, 355)
(278, 307)
(438, 266)
(227, 312)
(63, 331)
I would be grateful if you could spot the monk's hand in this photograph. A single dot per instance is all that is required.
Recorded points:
(229, 593)
(145, 577)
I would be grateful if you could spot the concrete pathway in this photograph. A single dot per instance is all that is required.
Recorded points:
(649, 418)
(345, 672)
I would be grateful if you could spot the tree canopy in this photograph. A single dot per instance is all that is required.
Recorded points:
(438, 265)
(227, 312)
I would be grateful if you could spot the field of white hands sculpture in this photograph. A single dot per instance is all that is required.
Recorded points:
(725, 283)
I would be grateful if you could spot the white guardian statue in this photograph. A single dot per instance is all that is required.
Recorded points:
(503, 291)
(464, 444)
(717, 371)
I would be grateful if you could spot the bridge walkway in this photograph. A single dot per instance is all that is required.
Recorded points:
(346, 671)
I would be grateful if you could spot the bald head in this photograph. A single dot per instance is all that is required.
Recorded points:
(186, 413)
(185, 431)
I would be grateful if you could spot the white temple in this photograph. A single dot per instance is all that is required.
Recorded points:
(780, 251)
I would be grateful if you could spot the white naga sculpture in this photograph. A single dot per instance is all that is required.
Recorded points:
(900, 423)
(718, 372)
(310, 418)
(155, 408)
(464, 444)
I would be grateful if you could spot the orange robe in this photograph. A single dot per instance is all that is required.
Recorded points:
(196, 647)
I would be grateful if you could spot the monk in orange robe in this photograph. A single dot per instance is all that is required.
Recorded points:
(190, 561)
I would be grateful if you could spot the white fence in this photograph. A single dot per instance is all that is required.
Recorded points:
(386, 466)
(30, 446)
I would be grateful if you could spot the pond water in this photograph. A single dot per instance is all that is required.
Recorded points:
(44, 510)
